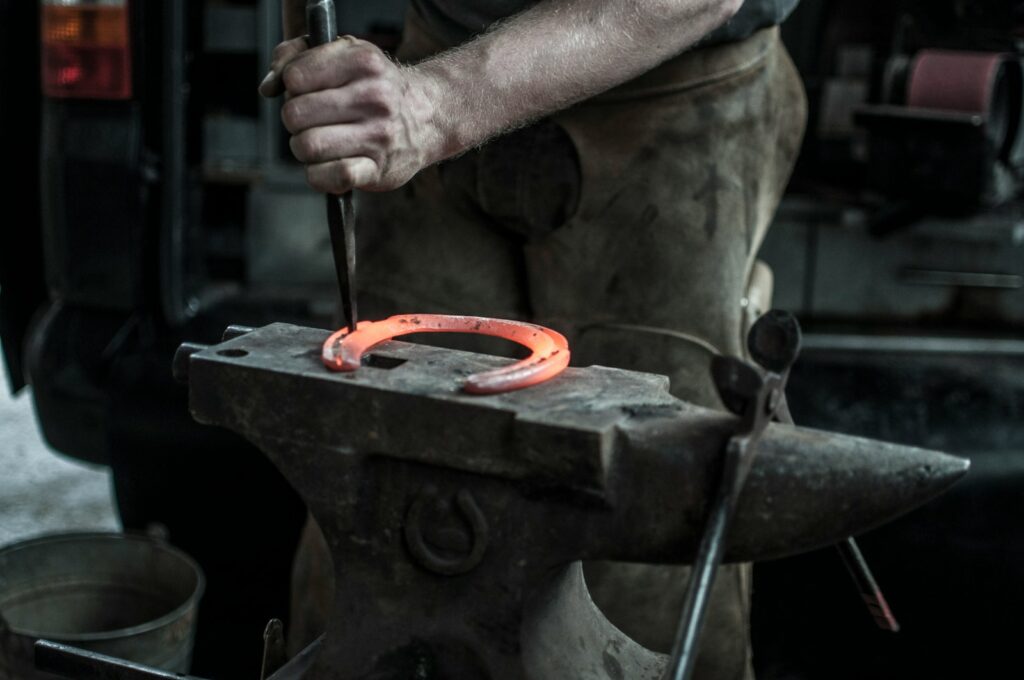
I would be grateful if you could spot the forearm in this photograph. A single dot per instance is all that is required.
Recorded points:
(358, 119)
(551, 56)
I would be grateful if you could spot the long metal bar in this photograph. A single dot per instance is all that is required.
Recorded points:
(322, 24)
(882, 344)
(709, 558)
(773, 343)
(869, 589)
(172, 230)
(341, 221)
(753, 397)
(268, 30)
(856, 564)
(81, 664)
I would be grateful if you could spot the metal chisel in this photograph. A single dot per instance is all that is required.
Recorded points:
(321, 22)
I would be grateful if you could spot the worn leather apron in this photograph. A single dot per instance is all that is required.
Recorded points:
(631, 223)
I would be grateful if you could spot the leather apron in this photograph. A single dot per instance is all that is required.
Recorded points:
(630, 222)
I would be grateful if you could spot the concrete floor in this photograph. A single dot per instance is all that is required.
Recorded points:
(41, 491)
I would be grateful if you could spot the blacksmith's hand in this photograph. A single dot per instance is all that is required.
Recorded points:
(358, 120)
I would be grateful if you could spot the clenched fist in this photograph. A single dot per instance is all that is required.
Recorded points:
(358, 120)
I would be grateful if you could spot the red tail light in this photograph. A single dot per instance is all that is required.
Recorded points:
(86, 52)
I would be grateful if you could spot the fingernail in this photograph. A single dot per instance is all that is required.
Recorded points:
(267, 78)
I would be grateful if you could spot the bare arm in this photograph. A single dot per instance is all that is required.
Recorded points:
(360, 120)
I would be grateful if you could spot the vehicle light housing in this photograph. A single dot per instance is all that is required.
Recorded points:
(86, 50)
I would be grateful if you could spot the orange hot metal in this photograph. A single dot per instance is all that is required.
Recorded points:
(344, 351)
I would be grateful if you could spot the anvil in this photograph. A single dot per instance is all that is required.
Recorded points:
(457, 522)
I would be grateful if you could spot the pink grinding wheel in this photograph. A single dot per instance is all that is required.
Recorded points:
(954, 81)
(343, 351)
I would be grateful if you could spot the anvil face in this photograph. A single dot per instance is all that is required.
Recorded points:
(454, 520)
(407, 403)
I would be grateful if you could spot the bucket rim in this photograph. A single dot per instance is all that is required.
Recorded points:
(60, 537)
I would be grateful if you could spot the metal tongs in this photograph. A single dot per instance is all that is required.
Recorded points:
(758, 396)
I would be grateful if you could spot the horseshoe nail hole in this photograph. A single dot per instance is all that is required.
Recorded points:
(233, 353)
(383, 362)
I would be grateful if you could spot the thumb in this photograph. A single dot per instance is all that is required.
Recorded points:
(272, 84)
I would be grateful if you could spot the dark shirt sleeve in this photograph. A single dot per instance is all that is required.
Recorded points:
(455, 21)
(752, 17)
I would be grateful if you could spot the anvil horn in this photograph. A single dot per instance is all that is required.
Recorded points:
(807, 488)
(822, 487)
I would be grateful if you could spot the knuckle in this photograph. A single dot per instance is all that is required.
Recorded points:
(344, 175)
(291, 115)
(286, 50)
(382, 135)
(368, 60)
(305, 146)
(293, 77)
(380, 97)
(316, 179)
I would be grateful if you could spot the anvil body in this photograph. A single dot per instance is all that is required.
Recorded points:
(455, 522)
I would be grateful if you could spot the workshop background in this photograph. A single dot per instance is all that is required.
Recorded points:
(133, 226)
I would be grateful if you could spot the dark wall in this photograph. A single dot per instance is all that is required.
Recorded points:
(21, 264)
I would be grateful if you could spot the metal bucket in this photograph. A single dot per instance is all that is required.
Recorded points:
(130, 597)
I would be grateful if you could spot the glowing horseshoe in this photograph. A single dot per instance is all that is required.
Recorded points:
(344, 351)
